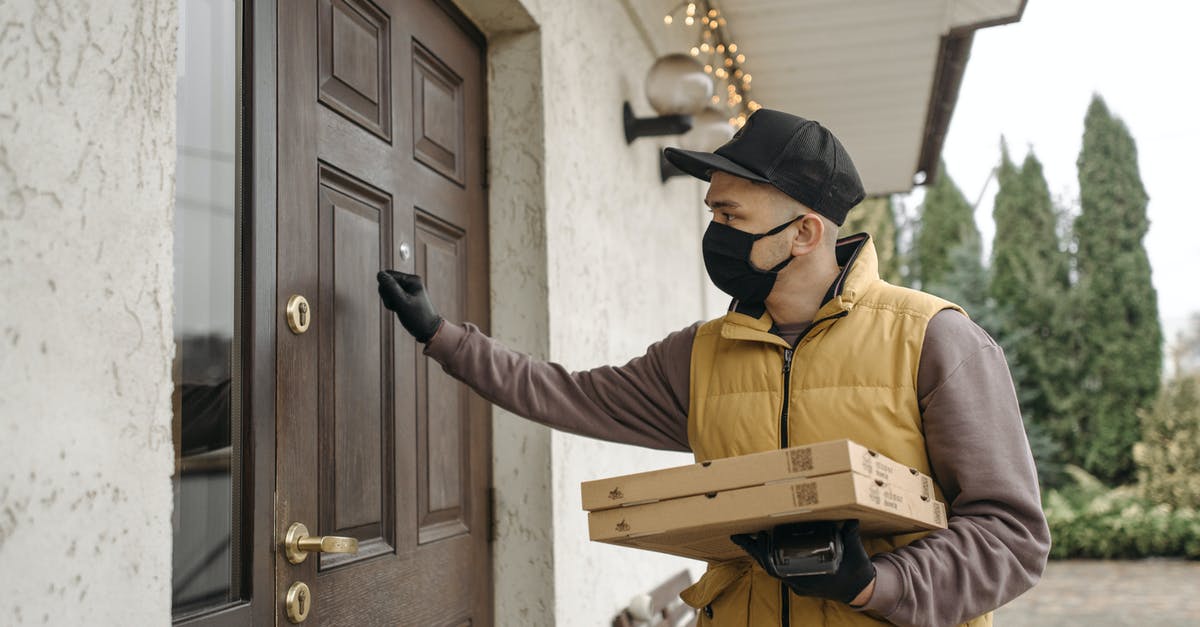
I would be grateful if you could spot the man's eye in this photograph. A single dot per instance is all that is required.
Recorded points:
(722, 216)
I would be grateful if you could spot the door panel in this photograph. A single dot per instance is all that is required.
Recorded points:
(380, 166)
(357, 460)
(437, 104)
(443, 461)
(355, 63)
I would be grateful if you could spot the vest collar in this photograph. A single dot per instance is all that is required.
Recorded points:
(860, 268)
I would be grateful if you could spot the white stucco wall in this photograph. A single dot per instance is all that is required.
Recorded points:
(523, 550)
(625, 269)
(593, 259)
(87, 148)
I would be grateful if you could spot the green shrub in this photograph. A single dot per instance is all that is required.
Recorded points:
(1168, 457)
(1088, 520)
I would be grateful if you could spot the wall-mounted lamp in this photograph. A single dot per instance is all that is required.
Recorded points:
(710, 129)
(678, 88)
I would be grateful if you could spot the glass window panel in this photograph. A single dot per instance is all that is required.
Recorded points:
(206, 556)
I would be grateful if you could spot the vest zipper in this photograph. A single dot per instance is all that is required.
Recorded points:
(787, 378)
(785, 604)
(787, 384)
(785, 601)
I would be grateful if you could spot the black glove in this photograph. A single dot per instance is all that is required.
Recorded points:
(852, 577)
(405, 295)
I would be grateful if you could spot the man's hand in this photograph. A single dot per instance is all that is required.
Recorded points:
(848, 584)
(405, 295)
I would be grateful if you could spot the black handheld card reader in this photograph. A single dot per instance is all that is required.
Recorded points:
(807, 548)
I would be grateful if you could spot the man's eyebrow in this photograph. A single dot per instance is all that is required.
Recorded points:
(721, 204)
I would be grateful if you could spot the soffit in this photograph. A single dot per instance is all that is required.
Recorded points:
(865, 69)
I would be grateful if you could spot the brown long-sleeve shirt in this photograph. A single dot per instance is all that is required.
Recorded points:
(997, 540)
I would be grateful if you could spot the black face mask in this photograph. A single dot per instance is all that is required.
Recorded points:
(727, 259)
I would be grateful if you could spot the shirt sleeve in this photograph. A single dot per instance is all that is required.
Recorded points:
(644, 402)
(997, 541)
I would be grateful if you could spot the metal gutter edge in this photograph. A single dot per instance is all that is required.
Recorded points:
(953, 53)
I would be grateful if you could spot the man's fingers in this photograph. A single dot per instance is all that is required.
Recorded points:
(384, 278)
(743, 540)
(411, 283)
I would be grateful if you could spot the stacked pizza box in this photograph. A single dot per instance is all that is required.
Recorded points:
(692, 510)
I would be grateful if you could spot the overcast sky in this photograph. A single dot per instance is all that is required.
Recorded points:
(1032, 82)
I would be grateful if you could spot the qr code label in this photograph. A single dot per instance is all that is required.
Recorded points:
(800, 460)
(804, 494)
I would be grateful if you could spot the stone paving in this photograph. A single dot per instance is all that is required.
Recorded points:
(1144, 593)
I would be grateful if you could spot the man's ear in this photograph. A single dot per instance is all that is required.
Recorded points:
(810, 232)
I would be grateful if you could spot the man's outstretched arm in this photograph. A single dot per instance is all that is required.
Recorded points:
(643, 402)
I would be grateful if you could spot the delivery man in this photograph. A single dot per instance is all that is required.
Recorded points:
(815, 347)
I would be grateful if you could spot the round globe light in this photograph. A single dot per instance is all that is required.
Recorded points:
(677, 85)
(710, 130)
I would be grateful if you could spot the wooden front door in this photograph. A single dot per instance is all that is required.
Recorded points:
(380, 153)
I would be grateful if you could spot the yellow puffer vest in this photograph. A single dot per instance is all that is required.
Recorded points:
(852, 375)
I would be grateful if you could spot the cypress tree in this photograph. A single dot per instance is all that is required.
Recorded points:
(1030, 279)
(876, 216)
(946, 260)
(967, 284)
(947, 223)
(1120, 350)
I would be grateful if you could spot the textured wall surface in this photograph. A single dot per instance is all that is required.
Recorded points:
(593, 258)
(523, 553)
(87, 146)
(625, 269)
(523, 550)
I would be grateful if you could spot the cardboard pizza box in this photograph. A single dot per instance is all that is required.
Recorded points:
(730, 473)
(699, 526)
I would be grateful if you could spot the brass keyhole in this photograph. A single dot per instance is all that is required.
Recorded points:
(298, 602)
(298, 317)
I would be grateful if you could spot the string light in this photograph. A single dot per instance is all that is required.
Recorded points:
(720, 57)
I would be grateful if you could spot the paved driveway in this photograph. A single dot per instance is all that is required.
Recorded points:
(1145, 593)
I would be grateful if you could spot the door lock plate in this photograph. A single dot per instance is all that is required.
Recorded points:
(298, 601)
(299, 314)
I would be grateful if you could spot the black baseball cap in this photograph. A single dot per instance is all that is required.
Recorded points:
(800, 157)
